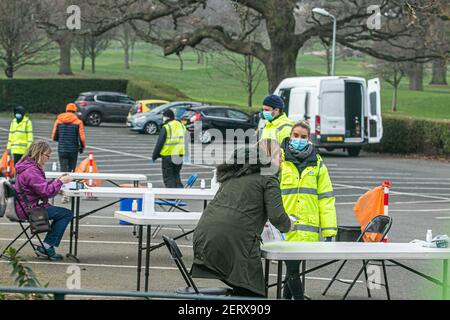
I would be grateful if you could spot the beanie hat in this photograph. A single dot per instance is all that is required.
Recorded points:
(169, 113)
(20, 110)
(71, 107)
(274, 101)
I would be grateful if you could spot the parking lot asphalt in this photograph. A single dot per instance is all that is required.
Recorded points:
(420, 200)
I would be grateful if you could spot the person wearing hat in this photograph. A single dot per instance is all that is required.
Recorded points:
(171, 148)
(68, 131)
(20, 134)
(278, 125)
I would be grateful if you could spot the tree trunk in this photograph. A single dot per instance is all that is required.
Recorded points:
(280, 65)
(126, 47)
(83, 54)
(329, 58)
(65, 49)
(181, 61)
(439, 72)
(250, 75)
(93, 56)
(9, 68)
(395, 98)
(416, 77)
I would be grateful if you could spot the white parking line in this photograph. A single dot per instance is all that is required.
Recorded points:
(419, 210)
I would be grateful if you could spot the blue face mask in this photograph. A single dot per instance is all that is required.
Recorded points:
(299, 144)
(19, 117)
(267, 115)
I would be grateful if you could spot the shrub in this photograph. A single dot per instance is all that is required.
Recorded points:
(408, 136)
(50, 95)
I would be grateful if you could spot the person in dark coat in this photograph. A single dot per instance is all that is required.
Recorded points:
(228, 236)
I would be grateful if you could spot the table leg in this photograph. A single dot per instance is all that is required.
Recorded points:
(205, 204)
(147, 257)
(72, 208)
(279, 278)
(139, 262)
(266, 276)
(77, 227)
(445, 280)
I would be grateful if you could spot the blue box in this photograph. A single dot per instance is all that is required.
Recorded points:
(127, 205)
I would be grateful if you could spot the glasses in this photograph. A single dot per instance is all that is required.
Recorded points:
(47, 155)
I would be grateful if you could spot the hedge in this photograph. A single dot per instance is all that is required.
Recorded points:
(52, 95)
(413, 136)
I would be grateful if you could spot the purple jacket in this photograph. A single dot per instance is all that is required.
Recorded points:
(38, 190)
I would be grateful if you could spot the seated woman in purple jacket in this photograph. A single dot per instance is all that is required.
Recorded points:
(30, 177)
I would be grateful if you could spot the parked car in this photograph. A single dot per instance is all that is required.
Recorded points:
(98, 106)
(143, 106)
(216, 117)
(151, 122)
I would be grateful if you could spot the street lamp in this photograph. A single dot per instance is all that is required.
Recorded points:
(325, 13)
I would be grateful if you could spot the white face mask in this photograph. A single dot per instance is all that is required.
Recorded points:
(165, 119)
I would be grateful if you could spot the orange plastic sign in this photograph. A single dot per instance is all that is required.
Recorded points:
(368, 206)
(4, 165)
(84, 168)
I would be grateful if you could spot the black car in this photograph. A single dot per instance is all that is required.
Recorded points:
(200, 122)
(99, 106)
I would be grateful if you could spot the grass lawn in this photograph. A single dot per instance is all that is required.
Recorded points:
(205, 82)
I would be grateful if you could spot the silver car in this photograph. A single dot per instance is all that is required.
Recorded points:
(151, 122)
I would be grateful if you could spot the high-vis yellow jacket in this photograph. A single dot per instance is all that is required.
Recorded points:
(20, 136)
(174, 144)
(309, 199)
(279, 129)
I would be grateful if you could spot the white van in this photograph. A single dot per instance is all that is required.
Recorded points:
(344, 112)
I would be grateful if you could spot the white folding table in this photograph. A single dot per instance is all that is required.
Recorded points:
(148, 220)
(110, 177)
(281, 251)
(133, 193)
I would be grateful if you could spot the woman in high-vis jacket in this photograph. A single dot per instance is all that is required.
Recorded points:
(308, 199)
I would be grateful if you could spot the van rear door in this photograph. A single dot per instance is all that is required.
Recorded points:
(332, 110)
(298, 104)
(375, 125)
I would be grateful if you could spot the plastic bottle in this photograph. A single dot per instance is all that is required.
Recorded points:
(214, 184)
(54, 166)
(203, 184)
(134, 206)
(149, 185)
(429, 235)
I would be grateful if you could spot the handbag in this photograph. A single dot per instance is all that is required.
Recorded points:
(37, 217)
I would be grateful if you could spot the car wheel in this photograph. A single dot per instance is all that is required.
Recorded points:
(329, 149)
(151, 128)
(354, 151)
(205, 137)
(94, 119)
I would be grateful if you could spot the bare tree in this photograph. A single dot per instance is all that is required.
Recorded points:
(96, 45)
(81, 46)
(440, 33)
(127, 39)
(21, 43)
(392, 73)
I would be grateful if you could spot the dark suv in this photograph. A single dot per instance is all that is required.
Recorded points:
(99, 106)
(219, 118)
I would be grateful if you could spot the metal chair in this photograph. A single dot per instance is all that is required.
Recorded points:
(191, 288)
(11, 192)
(379, 225)
(175, 204)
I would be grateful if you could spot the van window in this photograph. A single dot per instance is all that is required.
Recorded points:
(373, 103)
(285, 95)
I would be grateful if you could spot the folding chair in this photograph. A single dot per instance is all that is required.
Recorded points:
(191, 288)
(174, 204)
(24, 229)
(378, 226)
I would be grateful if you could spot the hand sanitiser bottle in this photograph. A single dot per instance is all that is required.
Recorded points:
(54, 167)
(134, 206)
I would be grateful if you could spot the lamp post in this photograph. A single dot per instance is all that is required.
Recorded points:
(325, 13)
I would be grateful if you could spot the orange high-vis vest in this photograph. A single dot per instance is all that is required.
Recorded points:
(368, 206)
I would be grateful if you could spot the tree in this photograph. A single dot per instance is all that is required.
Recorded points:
(440, 33)
(96, 45)
(127, 39)
(392, 73)
(21, 43)
(287, 33)
(52, 18)
(80, 44)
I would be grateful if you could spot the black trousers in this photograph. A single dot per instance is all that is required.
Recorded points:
(17, 158)
(68, 161)
(171, 173)
(293, 287)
